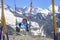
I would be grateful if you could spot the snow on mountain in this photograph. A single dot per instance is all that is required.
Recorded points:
(59, 9)
(8, 15)
(41, 18)
(10, 18)
(0, 2)
(35, 10)
(56, 9)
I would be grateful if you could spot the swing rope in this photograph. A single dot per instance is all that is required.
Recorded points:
(30, 13)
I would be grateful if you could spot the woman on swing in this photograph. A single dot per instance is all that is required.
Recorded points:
(24, 26)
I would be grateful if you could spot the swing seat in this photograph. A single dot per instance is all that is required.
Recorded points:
(24, 32)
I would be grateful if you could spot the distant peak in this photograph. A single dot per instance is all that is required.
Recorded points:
(56, 8)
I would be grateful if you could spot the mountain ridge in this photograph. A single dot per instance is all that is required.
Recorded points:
(41, 18)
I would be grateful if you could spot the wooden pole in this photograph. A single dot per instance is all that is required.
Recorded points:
(54, 21)
(3, 23)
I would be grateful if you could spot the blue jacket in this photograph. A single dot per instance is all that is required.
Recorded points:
(23, 25)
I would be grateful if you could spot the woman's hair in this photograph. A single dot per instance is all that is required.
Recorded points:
(25, 19)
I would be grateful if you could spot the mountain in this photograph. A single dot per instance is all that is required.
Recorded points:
(41, 19)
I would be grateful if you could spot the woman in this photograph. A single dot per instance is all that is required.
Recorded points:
(24, 25)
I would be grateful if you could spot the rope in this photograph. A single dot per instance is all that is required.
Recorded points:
(15, 19)
(30, 12)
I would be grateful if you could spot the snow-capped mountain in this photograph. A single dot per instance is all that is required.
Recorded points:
(41, 19)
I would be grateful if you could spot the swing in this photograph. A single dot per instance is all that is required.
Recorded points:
(24, 26)
(17, 28)
(28, 26)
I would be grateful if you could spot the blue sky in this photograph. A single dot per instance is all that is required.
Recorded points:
(36, 3)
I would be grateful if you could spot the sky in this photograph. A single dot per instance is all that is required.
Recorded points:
(36, 3)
